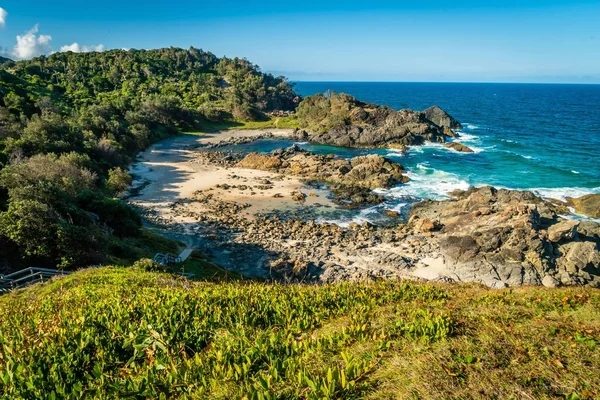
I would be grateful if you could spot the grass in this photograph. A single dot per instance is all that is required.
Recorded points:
(198, 265)
(272, 123)
(124, 333)
(150, 243)
(146, 245)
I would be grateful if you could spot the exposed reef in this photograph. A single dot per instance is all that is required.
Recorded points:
(370, 171)
(461, 148)
(499, 238)
(588, 205)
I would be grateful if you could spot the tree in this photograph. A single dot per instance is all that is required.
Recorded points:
(118, 180)
(31, 225)
(71, 122)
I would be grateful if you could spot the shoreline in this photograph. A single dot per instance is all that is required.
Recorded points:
(251, 221)
(172, 164)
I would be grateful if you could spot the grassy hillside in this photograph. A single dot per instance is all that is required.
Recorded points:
(124, 333)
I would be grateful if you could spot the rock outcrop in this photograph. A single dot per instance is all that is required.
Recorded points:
(588, 205)
(450, 133)
(341, 120)
(459, 147)
(368, 172)
(511, 238)
(441, 118)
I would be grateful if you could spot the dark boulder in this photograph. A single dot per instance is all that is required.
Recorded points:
(441, 118)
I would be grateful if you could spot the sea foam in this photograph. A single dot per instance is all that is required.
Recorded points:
(563, 192)
(365, 215)
(426, 183)
(467, 137)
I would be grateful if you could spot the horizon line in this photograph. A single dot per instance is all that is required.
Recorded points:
(466, 82)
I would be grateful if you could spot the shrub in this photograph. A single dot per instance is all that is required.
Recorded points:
(146, 264)
(118, 180)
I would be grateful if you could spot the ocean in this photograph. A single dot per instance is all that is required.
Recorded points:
(539, 137)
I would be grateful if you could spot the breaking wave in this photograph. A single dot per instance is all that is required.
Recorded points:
(426, 183)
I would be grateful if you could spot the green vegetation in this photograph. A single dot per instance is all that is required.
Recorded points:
(144, 245)
(321, 113)
(71, 123)
(198, 265)
(125, 333)
(289, 122)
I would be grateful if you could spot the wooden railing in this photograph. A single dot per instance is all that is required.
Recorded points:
(27, 276)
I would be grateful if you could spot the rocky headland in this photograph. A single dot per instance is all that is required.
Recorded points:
(513, 237)
(341, 120)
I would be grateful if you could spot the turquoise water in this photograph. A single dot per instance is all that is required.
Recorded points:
(544, 138)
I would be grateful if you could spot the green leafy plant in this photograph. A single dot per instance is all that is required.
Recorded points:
(110, 333)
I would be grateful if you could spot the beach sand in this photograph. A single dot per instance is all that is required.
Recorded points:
(166, 173)
(169, 175)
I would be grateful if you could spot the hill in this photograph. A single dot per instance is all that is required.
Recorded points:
(198, 81)
(115, 333)
(70, 124)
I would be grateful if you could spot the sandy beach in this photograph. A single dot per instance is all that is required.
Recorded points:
(167, 173)
(220, 210)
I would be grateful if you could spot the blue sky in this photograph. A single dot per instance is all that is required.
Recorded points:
(483, 41)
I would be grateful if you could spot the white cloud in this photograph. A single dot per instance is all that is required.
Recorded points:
(76, 48)
(31, 45)
(3, 15)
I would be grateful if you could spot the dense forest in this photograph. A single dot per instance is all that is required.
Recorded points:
(70, 124)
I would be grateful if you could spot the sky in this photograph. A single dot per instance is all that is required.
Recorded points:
(426, 41)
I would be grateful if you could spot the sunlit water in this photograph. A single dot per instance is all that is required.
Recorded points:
(544, 138)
